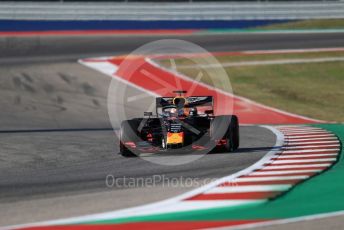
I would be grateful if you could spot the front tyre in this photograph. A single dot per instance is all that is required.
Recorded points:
(128, 133)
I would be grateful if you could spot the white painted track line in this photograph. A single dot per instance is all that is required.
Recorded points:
(285, 172)
(308, 136)
(266, 62)
(296, 166)
(268, 178)
(311, 150)
(304, 132)
(311, 139)
(310, 156)
(277, 162)
(248, 188)
(302, 143)
(188, 205)
(302, 129)
(310, 146)
(104, 67)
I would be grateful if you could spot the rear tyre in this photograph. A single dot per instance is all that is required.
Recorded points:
(229, 145)
(225, 127)
(235, 132)
(128, 133)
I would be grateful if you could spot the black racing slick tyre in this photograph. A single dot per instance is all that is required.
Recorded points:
(225, 127)
(128, 133)
(235, 132)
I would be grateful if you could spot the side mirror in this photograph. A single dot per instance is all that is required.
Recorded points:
(147, 114)
(208, 112)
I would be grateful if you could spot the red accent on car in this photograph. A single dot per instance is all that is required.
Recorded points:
(198, 147)
(149, 137)
(221, 142)
(130, 144)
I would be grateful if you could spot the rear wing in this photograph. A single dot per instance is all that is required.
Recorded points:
(194, 101)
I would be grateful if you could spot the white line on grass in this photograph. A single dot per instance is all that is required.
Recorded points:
(267, 62)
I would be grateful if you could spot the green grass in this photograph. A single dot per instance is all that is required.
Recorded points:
(310, 89)
(307, 24)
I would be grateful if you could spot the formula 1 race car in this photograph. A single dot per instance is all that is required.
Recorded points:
(180, 123)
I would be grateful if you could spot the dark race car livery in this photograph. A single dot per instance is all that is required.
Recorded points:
(180, 124)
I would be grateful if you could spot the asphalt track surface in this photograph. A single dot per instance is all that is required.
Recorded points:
(57, 144)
